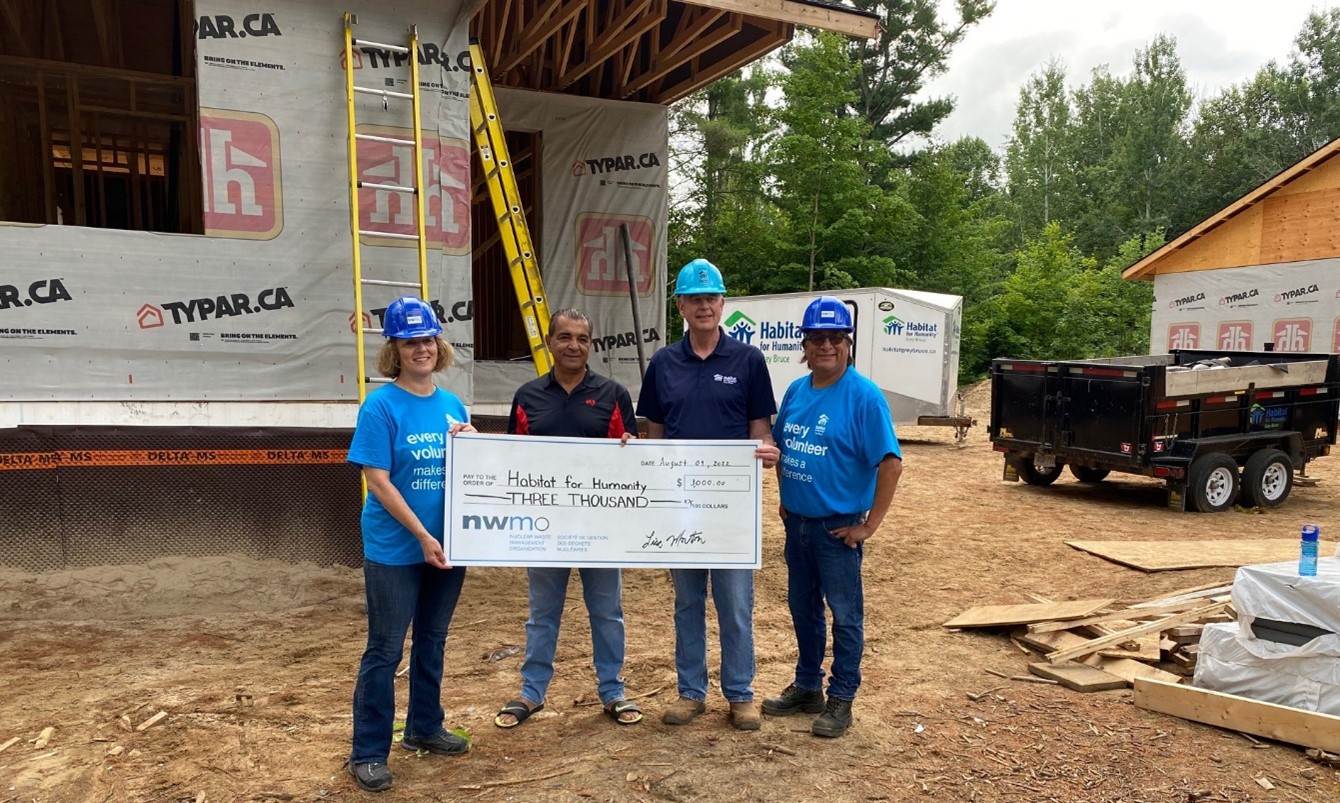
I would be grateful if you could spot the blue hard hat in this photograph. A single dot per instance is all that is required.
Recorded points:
(699, 278)
(826, 312)
(410, 317)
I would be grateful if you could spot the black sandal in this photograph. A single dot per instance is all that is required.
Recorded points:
(517, 708)
(617, 708)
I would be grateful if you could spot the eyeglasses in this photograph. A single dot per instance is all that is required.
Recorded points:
(819, 338)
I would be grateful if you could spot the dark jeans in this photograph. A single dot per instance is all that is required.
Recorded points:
(396, 597)
(821, 567)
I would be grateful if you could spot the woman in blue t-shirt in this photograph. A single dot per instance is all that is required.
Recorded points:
(400, 444)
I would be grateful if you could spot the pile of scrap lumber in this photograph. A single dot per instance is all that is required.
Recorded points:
(1095, 645)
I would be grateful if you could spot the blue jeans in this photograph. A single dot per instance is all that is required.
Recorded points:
(820, 566)
(733, 593)
(602, 589)
(396, 597)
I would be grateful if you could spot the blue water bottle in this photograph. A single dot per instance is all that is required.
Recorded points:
(1307, 557)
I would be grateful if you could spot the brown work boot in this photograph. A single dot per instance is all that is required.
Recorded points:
(744, 716)
(683, 711)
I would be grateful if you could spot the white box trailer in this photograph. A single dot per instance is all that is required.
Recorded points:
(907, 341)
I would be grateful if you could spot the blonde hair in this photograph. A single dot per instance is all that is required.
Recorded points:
(388, 359)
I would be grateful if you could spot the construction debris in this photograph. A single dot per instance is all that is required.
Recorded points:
(1096, 645)
(151, 721)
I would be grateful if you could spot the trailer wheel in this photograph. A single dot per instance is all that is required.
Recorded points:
(1086, 474)
(1031, 474)
(1267, 478)
(1214, 483)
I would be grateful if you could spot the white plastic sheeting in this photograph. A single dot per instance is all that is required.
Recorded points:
(1275, 591)
(1266, 671)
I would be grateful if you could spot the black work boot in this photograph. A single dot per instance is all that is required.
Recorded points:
(793, 700)
(443, 744)
(835, 719)
(371, 777)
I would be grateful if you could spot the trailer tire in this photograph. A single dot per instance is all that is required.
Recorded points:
(1086, 474)
(1267, 478)
(1031, 474)
(1214, 483)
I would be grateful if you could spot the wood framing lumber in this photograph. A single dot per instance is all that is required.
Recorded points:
(1185, 594)
(1079, 677)
(1094, 645)
(1279, 722)
(1124, 668)
(1126, 615)
(823, 17)
(1002, 615)
(1182, 594)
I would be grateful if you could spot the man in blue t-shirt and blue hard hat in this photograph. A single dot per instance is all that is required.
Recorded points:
(710, 386)
(840, 464)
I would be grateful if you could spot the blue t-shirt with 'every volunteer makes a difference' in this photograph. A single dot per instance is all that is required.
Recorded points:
(832, 442)
(405, 435)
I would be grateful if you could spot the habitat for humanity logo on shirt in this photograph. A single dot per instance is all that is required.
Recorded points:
(725, 380)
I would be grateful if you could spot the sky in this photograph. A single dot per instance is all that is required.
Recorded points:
(1220, 43)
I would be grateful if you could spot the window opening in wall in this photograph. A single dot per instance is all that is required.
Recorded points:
(98, 115)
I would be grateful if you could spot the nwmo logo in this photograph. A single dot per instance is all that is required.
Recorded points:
(534, 524)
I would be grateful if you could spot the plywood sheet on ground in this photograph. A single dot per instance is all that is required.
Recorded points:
(1079, 677)
(1158, 556)
(1002, 615)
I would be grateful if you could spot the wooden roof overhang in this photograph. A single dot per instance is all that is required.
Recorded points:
(1317, 218)
(651, 51)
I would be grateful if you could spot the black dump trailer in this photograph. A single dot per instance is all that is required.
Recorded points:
(1220, 427)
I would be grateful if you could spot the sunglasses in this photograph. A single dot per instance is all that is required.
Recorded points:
(819, 338)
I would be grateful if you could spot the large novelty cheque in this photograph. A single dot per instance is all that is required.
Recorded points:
(523, 501)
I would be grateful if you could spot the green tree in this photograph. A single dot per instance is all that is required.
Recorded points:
(1150, 150)
(1098, 112)
(840, 222)
(1040, 156)
(913, 47)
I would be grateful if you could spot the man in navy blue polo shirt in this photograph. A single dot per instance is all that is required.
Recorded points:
(571, 401)
(711, 386)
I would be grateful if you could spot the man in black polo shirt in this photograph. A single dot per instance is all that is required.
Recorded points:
(571, 401)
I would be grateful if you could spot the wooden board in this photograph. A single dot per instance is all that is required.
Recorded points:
(1080, 677)
(1129, 670)
(1147, 649)
(1093, 645)
(1292, 725)
(1002, 615)
(1124, 668)
(1158, 556)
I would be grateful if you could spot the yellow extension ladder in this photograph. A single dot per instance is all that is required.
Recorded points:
(361, 320)
(515, 234)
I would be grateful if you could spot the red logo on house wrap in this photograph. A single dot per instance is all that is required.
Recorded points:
(239, 160)
(1235, 336)
(1335, 341)
(1183, 336)
(600, 254)
(446, 183)
(1292, 334)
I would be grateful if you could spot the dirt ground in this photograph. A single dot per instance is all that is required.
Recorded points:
(254, 665)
